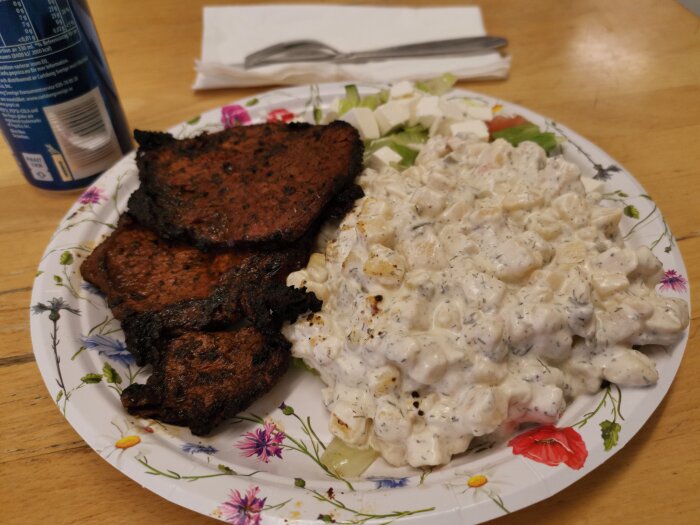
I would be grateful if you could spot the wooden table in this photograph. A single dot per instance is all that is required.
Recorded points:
(624, 74)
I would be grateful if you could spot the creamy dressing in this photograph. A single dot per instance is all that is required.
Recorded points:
(477, 290)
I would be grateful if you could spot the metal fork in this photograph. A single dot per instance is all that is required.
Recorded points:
(315, 51)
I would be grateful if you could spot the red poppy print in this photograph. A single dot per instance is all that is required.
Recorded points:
(280, 115)
(551, 445)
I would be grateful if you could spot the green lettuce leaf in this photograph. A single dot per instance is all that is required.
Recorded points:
(437, 86)
(518, 134)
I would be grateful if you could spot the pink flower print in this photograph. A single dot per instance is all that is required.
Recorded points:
(263, 442)
(92, 196)
(672, 280)
(243, 509)
(234, 115)
(280, 115)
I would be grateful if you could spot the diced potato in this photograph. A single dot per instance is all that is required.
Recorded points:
(385, 266)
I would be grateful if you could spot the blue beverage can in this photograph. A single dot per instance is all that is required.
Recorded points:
(59, 109)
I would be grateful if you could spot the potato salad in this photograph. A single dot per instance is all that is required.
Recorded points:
(483, 287)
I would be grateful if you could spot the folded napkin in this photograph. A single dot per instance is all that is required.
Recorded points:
(231, 33)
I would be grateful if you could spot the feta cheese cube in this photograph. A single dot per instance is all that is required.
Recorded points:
(335, 105)
(383, 157)
(333, 111)
(592, 185)
(479, 112)
(428, 110)
(390, 115)
(470, 127)
(363, 120)
(455, 108)
(401, 90)
(410, 103)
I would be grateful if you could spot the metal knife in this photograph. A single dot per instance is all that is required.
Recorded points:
(315, 51)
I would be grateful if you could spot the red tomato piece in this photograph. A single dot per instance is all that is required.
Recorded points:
(501, 122)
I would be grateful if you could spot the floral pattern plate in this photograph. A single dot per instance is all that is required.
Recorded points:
(263, 467)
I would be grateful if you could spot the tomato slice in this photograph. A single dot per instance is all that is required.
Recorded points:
(500, 122)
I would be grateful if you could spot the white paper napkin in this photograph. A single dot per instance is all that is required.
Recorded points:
(233, 32)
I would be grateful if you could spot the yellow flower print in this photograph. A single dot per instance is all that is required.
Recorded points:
(130, 433)
(477, 480)
(127, 442)
(481, 484)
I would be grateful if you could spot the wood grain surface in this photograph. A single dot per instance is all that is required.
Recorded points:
(624, 74)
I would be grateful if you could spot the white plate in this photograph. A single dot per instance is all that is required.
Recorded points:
(80, 353)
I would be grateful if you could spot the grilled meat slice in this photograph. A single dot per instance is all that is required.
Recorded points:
(265, 305)
(277, 304)
(243, 185)
(207, 317)
(139, 272)
(342, 203)
(159, 288)
(204, 377)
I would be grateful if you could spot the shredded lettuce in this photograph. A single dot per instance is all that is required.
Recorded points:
(405, 136)
(405, 141)
(374, 100)
(408, 155)
(437, 86)
(347, 461)
(298, 362)
(517, 134)
(353, 99)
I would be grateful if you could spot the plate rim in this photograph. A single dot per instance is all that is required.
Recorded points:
(561, 477)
